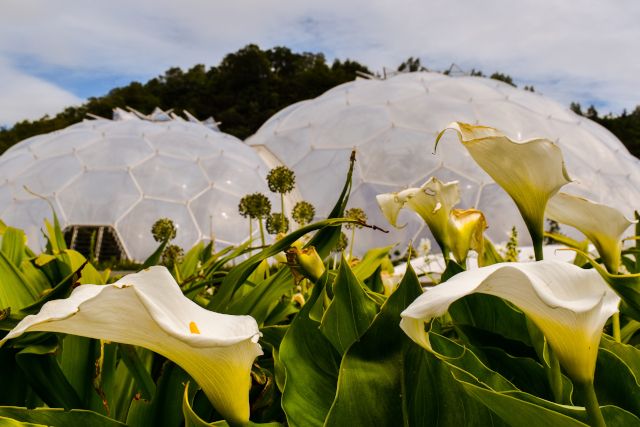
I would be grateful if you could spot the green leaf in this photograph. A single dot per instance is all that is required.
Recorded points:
(616, 383)
(517, 412)
(59, 417)
(138, 370)
(44, 375)
(490, 254)
(156, 256)
(191, 419)
(15, 291)
(166, 407)
(350, 312)
(451, 270)
(9, 422)
(238, 275)
(13, 245)
(370, 385)
(259, 301)
(272, 337)
(61, 290)
(16, 391)
(372, 259)
(189, 264)
(311, 368)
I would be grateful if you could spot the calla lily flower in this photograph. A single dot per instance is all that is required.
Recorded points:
(570, 305)
(531, 171)
(455, 230)
(433, 201)
(148, 309)
(602, 224)
(466, 231)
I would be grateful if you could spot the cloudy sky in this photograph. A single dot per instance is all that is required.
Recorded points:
(56, 53)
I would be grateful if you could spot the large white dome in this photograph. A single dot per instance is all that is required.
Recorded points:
(393, 124)
(129, 172)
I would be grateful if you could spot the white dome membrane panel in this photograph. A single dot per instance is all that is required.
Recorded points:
(136, 226)
(127, 174)
(170, 178)
(98, 197)
(46, 176)
(393, 124)
(216, 213)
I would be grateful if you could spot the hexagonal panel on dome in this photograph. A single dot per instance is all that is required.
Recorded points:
(117, 152)
(63, 143)
(353, 126)
(135, 227)
(170, 178)
(234, 175)
(98, 197)
(182, 144)
(29, 216)
(14, 162)
(379, 116)
(501, 214)
(46, 176)
(216, 213)
(386, 158)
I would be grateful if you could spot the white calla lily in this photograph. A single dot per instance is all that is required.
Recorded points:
(570, 305)
(531, 171)
(148, 309)
(602, 224)
(433, 202)
(466, 231)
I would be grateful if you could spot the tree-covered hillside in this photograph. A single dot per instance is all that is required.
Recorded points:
(242, 92)
(251, 85)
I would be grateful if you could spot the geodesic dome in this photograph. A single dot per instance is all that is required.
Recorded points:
(128, 172)
(393, 124)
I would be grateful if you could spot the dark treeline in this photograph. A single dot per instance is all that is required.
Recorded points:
(242, 92)
(251, 85)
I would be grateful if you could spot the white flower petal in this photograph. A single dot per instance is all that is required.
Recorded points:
(569, 304)
(149, 310)
(529, 171)
(602, 224)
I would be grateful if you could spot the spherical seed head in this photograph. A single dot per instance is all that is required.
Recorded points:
(355, 213)
(281, 180)
(172, 254)
(274, 223)
(303, 212)
(343, 242)
(254, 206)
(163, 229)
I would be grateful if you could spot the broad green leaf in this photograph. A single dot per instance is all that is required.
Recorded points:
(263, 297)
(138, 370)
(372, 366)
(238, 275)
(166, 407)
(75, 261)
(44, 375)
(272, 337)
(370, 262)
(189, 264)
(518, 412)
(77, 361)
(491, 314)
(451, 270)
(350, 312)
(61, 290)
(14, 388)
(15, 291)
(13, 245)
(59, 417)
(311, 368)
(629, 354)
(490, 254)
(615, 382)
(9, 422)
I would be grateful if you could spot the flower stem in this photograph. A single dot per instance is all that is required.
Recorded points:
(554, 375)
(353, 241)
(616, 326)
(261, 231)
(594, 415)
(282, 229)
(250, 236)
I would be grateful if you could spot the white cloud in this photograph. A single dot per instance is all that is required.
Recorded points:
(571, 50)
(27, 97)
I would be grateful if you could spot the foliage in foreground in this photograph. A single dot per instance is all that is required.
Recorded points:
(334, 351)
